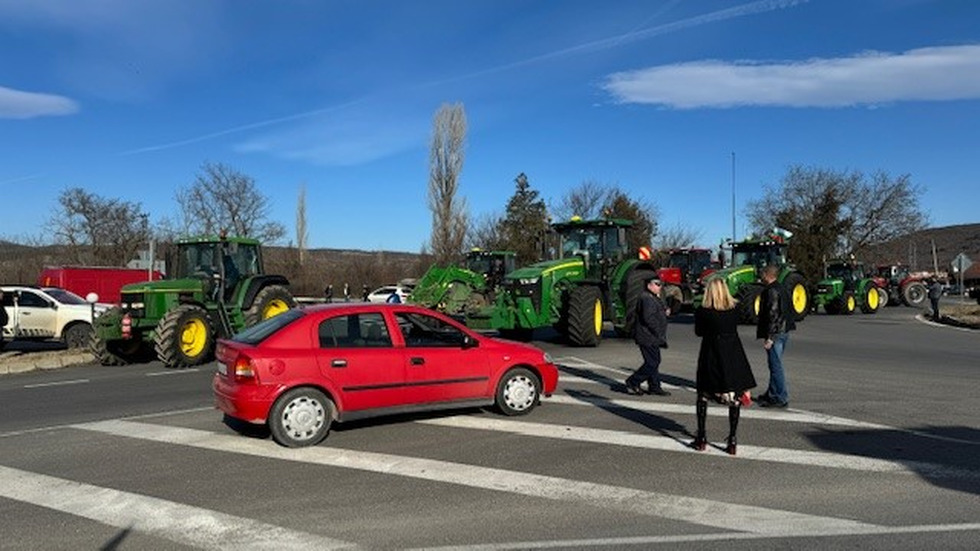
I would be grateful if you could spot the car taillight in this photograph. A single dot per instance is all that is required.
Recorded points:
(244, 368)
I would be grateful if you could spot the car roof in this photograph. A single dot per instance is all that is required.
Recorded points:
(355, 307)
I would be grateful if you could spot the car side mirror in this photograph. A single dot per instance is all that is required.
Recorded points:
(470, 342)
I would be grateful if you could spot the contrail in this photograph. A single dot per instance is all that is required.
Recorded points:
(759, 6)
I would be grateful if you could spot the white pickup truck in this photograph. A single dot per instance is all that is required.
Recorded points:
(46, 313)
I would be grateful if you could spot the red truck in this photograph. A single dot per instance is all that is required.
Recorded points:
(103, 281)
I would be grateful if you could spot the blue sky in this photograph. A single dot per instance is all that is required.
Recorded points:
(128, 98)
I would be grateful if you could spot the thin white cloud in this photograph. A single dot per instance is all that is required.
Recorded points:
(925, 74)
(262, 144)
(17, 104)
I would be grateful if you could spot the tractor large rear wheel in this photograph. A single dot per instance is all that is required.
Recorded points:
(584, 321)
(634, 288)
(799, 295)
(184, 337)
(914, 294)
(271, 301)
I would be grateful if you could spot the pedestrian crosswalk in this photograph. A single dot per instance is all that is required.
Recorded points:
(718, 519)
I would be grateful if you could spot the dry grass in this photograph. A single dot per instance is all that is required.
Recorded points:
(967, 313)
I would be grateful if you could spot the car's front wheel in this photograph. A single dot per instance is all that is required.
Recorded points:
(301, 417)
(518, 392)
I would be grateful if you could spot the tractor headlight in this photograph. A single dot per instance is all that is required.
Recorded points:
(529, 280)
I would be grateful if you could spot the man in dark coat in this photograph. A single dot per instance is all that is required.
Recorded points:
(776, 320)
(935, 293)
(650, 334)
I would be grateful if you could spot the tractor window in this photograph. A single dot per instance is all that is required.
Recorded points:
(478, 263)
(195, 258)
(579, 241)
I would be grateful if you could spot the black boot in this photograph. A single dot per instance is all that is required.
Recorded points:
(701, 441)
(733, 414)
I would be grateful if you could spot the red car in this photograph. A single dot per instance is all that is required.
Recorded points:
(304, 369)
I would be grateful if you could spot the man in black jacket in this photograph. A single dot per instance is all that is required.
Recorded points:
(650, 334)
(776, 320)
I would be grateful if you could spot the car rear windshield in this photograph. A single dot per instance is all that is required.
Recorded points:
(262, 330)
(64, 297)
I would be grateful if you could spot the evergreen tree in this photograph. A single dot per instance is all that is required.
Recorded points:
(525, 224)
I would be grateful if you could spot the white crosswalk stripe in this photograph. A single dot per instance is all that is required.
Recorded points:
(667, 443)
(176, 522)
(717, 514)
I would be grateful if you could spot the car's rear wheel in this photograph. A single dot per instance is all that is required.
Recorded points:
(301, 417)
(78, 335)
(518, 392)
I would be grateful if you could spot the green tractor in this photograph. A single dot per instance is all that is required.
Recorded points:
(743, 275)
(456, 290)
(218, 288)
(594, 281)
(845, 288)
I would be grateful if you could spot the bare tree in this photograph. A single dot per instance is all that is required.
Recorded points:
(584, 200)
(223, 198)
(301, 232)
(678, 236)
(97, 230)
(486, 232)
(834, 213)
(449, 218)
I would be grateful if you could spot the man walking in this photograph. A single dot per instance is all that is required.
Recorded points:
(775, 322)
(935, 293)
(650, 334)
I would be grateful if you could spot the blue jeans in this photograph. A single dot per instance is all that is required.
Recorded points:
(777, 391)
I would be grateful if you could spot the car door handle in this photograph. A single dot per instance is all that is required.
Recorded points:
(338, 363)
(418, 361)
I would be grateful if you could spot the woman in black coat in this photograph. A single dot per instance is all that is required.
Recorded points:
(724, 374)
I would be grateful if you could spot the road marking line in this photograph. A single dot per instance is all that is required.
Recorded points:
(718, 514)
(682, 538)
(172, 372)
(791, 415)
(669, 443)
(184, 524)
(58, 383)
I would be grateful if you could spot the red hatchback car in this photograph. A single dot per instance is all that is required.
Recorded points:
(304, 369)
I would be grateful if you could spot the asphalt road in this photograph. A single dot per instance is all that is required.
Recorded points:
(879, 450)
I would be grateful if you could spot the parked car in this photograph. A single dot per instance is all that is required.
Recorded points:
(46, 313)
(305, 369)
(381, 294)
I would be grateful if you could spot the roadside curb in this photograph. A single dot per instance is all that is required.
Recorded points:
(20, 362)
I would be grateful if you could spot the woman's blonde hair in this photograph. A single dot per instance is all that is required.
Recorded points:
(716, 295)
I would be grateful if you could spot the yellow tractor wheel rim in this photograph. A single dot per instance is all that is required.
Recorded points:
(850, 304)
(597, 316)
(799, 298)
(274, 308)
(193, 338)
(873, 298)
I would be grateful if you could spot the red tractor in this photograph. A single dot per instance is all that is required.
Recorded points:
(682, 275)
(902, 286)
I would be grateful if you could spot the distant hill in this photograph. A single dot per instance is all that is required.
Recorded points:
(916, 250)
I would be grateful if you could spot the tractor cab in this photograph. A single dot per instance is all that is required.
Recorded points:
(600, 243)
(221, 264)
(494, 265)
(759, 253)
